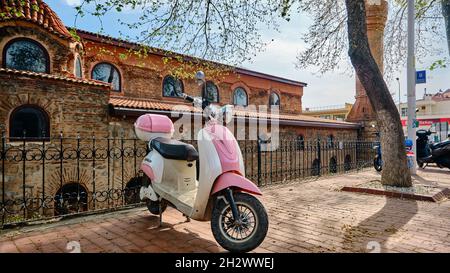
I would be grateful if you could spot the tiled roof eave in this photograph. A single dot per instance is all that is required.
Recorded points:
(140, 106)
(58, 34)
(54, 77)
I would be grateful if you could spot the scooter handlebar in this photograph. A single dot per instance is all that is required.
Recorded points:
(188, 98)
(194, 100)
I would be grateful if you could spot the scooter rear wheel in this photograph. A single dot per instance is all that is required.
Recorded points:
(247, 235)
(153, 207)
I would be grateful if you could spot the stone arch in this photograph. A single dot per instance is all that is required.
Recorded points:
(71, 198)
(36, 44)
(242, 85)
(315, 167)
(347, 162)
(29, 117)
(11, 103)
(113, 67)
(59, 50)
(333, 167)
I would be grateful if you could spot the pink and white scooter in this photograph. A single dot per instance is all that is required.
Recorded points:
(221, 195)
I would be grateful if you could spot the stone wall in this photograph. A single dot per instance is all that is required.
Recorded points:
(74, 109)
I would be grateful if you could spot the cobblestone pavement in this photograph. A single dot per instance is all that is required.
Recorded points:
(312, 216)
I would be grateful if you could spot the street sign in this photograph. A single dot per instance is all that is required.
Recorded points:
(421, 77)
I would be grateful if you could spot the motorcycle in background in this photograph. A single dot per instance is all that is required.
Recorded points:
(427, 153)
(378, 160)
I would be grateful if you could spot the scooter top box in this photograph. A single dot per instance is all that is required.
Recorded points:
(151, 126)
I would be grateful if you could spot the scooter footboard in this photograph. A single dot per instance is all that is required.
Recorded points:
(442, 151)
(235, 180)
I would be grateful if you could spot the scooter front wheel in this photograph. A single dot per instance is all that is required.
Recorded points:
(421, 165)
(247, 233)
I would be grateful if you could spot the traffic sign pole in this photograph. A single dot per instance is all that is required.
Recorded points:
(412, 82)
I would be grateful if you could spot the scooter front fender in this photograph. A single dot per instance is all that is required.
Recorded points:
(234, 180)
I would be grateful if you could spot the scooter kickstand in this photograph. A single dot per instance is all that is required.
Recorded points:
(187, 218)
(160, 214)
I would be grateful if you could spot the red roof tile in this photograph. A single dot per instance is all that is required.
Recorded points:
(35, 11)
(146, 104)
(54, 77)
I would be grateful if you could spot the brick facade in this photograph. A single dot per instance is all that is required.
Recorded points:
(142, 76)
(82, 106)
(73, 108)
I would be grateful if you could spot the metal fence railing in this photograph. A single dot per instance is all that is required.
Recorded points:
(58, 176)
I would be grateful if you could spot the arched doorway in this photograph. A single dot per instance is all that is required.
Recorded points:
(333, 165)
(347, 163)
(71, 198)
(315, 168)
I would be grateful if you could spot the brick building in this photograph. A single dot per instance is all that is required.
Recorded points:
(76, 83)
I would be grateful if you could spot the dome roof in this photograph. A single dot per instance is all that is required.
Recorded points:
(35, 11)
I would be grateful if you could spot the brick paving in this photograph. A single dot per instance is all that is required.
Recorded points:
(311, 216)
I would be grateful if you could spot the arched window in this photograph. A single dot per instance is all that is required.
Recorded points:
(300, 143)
(240, 97)
(274, 99)
(26, 54)
(211, 92)
(106, 72)
(78, 68)
(330, 141)
(172, 87)
(29, 121)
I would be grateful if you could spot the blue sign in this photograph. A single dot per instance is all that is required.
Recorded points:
(421, 77)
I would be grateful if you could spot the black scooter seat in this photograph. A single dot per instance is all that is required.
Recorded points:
(440, 145)
(174, 149)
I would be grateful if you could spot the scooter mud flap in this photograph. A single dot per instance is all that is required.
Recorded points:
(148, 193)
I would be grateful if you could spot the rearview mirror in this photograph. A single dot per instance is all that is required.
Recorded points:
(200, 77)
(227, 113)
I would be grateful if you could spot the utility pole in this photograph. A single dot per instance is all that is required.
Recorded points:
(412, 81)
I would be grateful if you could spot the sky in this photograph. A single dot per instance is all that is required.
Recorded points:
(332, 88)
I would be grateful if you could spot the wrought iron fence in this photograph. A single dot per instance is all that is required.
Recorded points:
(59, 176)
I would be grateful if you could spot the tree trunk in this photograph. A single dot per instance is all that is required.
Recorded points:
(395, 169)
(446, 14)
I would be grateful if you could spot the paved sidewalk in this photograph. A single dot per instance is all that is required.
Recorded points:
(311, 216)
